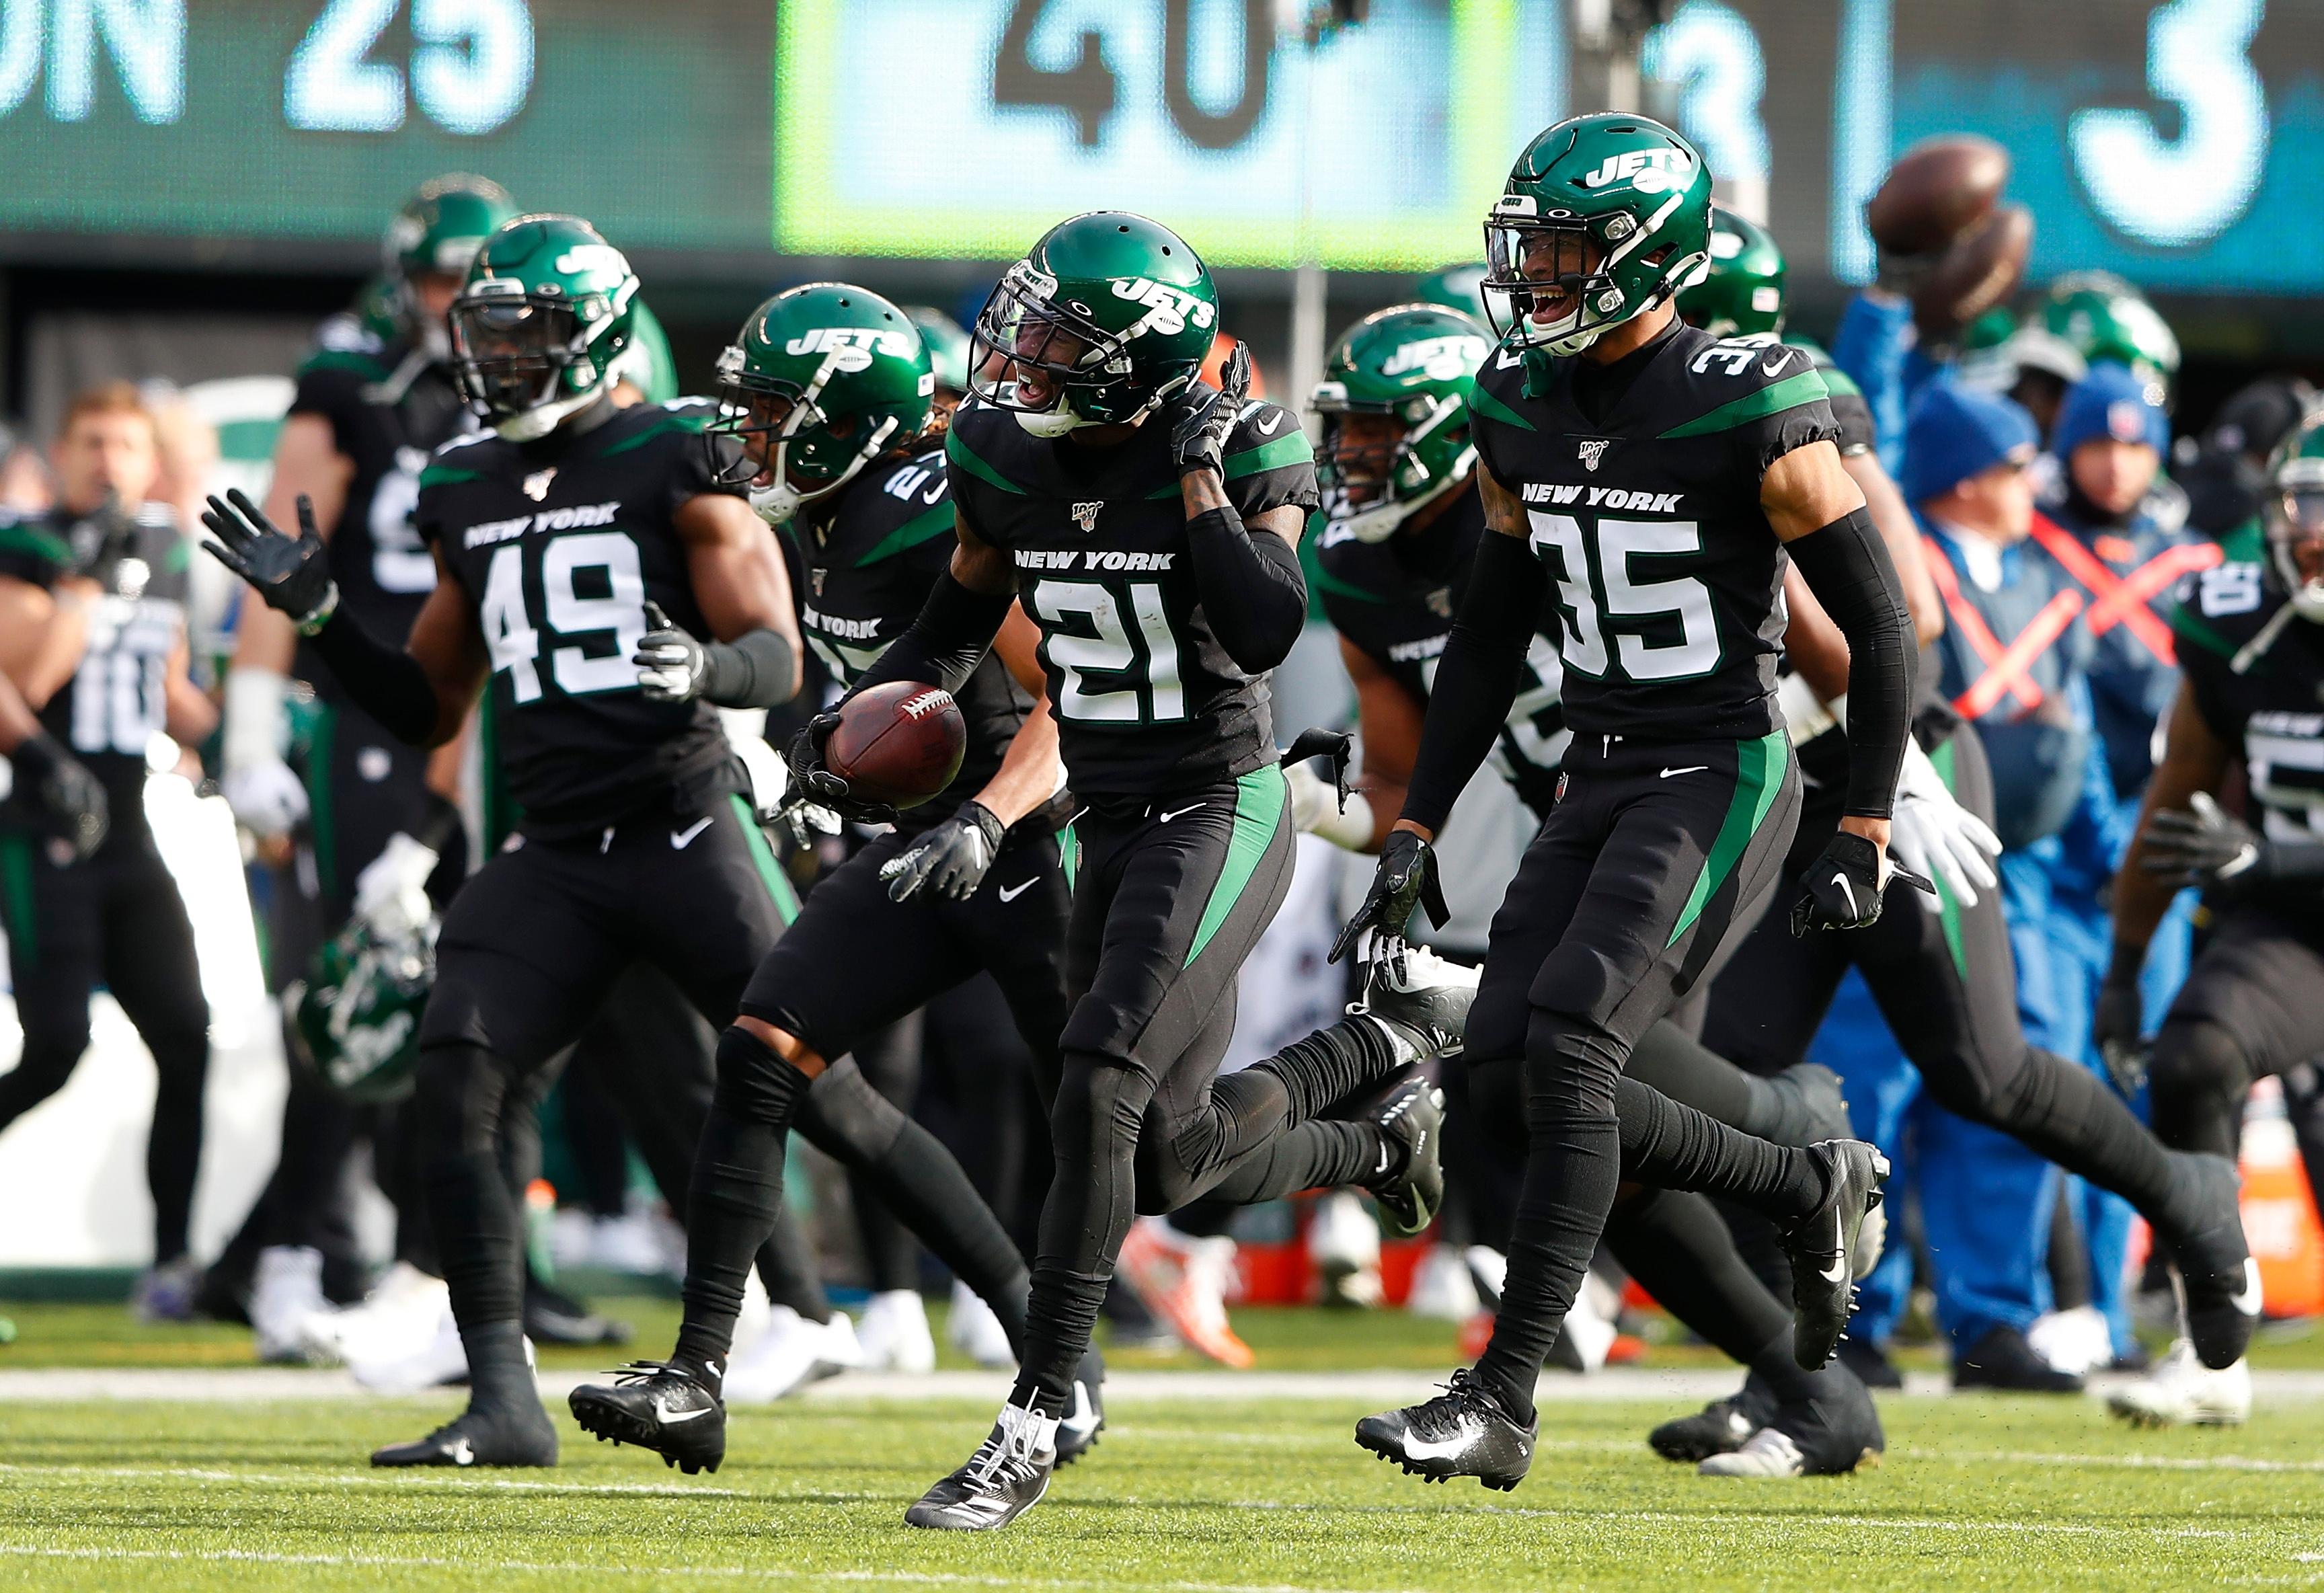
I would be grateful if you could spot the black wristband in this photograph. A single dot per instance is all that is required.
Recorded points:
(755, 670)
(1847, 566)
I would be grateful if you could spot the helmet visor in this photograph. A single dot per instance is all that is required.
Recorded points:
(1540, 276)
(511, 348)
(1027, 349)
(782, 431)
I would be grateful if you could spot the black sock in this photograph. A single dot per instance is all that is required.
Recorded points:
(497, 1375)
(1673, 1063)
(1314, 1155)
(1675, 1246)
(735, 1193)
(2064, 1113)
(1329, 1065)
(789, 1268)
(1674, 1146)
(455, 1110)
(173, 1149)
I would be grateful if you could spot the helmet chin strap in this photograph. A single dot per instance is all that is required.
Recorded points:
(1062, 418)
(538, 422)
(781, 501)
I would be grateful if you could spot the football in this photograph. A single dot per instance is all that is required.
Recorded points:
(900, 743)
(1937, 190)
(1980, 270)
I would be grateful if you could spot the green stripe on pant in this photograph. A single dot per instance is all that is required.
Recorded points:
(1758, 776)
(1260, 807)
(16, 898)
(770, 872)
(1949, 910)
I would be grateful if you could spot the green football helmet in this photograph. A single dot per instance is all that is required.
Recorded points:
(947, 342)
(1741, 292)
(824, 380)
(438, 231)
(2104, 319)
(1101, 322)
(648, 363)
(1604, 217)
(2293, 515)
(1408, 369)
(355, 1019)
(1456, 287)
(548, 311)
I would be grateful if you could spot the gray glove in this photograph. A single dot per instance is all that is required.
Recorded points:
(951, 859)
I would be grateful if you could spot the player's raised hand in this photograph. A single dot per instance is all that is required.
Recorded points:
(671, 664)
(292, 574)
(1198, 437)
(1405, 881)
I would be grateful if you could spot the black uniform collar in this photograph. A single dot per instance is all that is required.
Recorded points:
(1598, 390)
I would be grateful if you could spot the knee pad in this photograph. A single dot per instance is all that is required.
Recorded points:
(1570, 1070)
(1100, 1107)
(847, 1118)
(754, 1084)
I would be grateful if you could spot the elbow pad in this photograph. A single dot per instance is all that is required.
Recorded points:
(758, 670)
(1845, 565)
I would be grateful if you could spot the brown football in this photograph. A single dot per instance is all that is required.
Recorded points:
(1937, 190)
(1981, 269)
(900, 743)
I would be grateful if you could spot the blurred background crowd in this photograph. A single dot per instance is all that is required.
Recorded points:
(213, 209)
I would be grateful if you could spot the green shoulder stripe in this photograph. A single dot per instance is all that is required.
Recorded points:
(445, 476)
(346, 359)
(2247, 544)
(1322, 582)
(1803, 388)
(18, 537)
(2194, 628)
(919, 529)
(1291, 448)
(1485, 404)
(692, 425)
(958, 452)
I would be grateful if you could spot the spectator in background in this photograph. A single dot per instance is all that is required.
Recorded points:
(24, 484)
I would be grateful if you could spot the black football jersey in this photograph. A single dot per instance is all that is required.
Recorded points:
(1394, 600)
(561, 543)
(1667, 576)
(1145, 698)
(2271, 709)
(869, 564)
(389, 409)
(108, 714)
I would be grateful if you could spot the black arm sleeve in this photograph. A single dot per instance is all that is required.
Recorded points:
(1845, 565)
(954, 630)
(1252, 590)
(387, 682)
(757, 670)
(1477, 679)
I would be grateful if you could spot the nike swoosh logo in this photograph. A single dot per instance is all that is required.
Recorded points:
(1442, 1449)
(670, 1418)
(1845, 889)
(1166, 816)
(1270, 426)
(1838, 1271)
(679, 839)
(1084, 1417)
(2248, 1298)
(1775, 362)
(464, 1453)
(1690, 768)
(1010, 893)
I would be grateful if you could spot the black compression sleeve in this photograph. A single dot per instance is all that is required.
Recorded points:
(1477, 679)
(757, 670)
(954, 630)
(387, 682)
(1252, 590)
(1845, 565)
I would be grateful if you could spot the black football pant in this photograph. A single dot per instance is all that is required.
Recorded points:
(854, 963)
(116, 919)
(2253, 1006)
(1650, 856)
(1169, 897)
(1946, 983)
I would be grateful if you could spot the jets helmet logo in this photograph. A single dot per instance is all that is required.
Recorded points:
(1436, 359)
(536, 485)
(583, 258)
(1085, 515)
(1168, 309)
(849, 348)
(1592, 451)
(1649, 172)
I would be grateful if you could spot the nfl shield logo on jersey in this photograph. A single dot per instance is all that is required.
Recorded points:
(536, 485)
(1085, 515)
(816, 577)
(1593, 451)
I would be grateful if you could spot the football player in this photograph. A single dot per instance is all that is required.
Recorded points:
(556, 535)
(93, 639)
(1150, 523)
(2251, 650)
(1658, 478)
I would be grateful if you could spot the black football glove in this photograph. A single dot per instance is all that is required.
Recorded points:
(1841, 888)
(2211, 847)
(812, 782)
(2116, 1028)
(671, 664)
(293, 575)
(1405, 881)
(69, 795)
(1198, 437)
(952, 859)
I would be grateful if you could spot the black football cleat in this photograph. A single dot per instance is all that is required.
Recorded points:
(1464, 1432)
(1831, 1433)
(2204, 1234)
(1834, 1245)
(1719, 1428)
(655, 1406)
(1078, 1428)
(519, 1435)
(1409, 1187)
(1419, 998)
(2003, 1359)
(1005, 1478)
